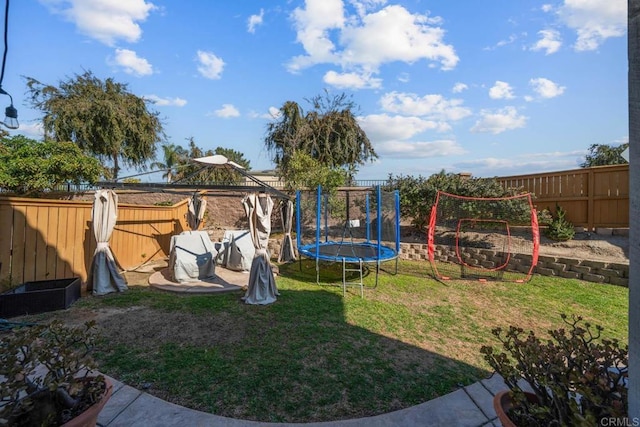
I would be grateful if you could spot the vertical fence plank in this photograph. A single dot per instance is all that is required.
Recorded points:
(42, 231)
(17, 253)
(30, 239)
(6, 227)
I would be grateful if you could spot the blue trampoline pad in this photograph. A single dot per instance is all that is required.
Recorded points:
(350, 252)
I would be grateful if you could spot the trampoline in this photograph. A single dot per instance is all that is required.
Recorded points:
(355, 227)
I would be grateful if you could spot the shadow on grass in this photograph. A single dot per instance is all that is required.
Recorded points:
(311, 356)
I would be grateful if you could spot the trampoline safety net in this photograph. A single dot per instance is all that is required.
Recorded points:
(351, 225)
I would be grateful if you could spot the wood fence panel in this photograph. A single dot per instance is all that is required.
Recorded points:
(591, 197)
(30, 243)
(46, 239)
(52, 238)
(6, 232)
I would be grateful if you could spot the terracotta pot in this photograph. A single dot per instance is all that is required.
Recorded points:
(502, 404)
(89, 418)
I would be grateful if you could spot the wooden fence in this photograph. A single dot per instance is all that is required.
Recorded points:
(592, 197)
(43, 239)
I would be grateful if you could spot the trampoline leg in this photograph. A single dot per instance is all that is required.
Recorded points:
(317, 271)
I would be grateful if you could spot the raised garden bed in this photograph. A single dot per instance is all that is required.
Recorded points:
(39, 297)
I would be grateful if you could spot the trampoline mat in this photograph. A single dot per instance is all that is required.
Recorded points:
(350, 252)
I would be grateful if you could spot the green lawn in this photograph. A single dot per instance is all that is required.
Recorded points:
(314, 355)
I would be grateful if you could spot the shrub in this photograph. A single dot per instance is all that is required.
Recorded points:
(560, 229)
(578, 378)
(47, 372)
(417, 195)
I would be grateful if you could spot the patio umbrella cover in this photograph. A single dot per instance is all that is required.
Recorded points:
(262, 284)
(104, 276)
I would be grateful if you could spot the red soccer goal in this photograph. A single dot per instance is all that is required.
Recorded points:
(473, 238)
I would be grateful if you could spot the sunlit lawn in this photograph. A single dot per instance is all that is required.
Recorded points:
(314, 355)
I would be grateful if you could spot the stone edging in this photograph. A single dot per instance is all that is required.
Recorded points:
(589, 271)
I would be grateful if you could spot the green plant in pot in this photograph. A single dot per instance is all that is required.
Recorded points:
(47, 376)
(573, 378)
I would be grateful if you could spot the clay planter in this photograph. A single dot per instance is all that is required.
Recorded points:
(89, 418)
(502, 404)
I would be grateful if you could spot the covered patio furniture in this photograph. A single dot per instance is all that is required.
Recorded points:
(192, 257)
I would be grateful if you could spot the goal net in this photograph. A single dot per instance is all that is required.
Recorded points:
(472, 238)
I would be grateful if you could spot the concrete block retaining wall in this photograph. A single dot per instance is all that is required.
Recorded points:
(590, 271)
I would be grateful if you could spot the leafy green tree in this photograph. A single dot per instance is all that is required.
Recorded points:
(101, 117)
(329, 133)
(174, 156)
(306, 172)
(27, 165)
(603, 154)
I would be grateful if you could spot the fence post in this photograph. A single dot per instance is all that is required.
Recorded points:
(591, 182)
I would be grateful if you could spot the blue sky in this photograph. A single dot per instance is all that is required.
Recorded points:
(493, 87)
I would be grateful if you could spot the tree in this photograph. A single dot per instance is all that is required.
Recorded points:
(102, 117)
(27, 165)
(306, 172)
(174, 156)
(329, 133)
(603, 154)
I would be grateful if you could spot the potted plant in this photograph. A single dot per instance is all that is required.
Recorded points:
(47, 376)
(573, 378)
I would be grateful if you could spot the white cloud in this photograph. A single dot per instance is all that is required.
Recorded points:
(367, 40)
(274, 112)
(351, 80)
(459, 87)
(499, 121)
(210, 66)
(32, 130)
(594, 21)
(383, 127)
(523, 164)
(132, 63)
(105, 20)
(501, 90)
(227, 111)
(512, 38)
(418, 150)
(546, 8)
(404, 78)
(254, 21)
(166, 102)
(550, 41)
(545, 88)
(430, 106)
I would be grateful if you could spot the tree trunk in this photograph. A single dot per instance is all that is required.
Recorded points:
(633, 35)
(116, 167)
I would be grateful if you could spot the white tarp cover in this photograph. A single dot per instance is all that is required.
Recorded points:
(104, 276)
(287, 252)
(239, 250)
(262, 284)
(192, 257)
(196, 208)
